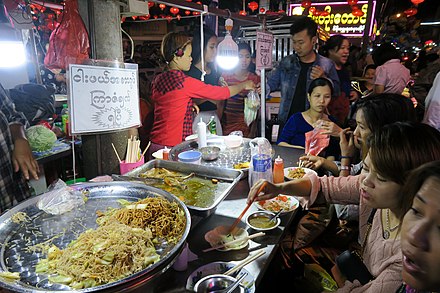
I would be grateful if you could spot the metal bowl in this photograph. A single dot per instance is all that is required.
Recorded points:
(265, 214)
(210, 153)
(15, 238)
(214, 283)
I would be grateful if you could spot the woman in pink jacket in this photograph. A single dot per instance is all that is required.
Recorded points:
(392, 154)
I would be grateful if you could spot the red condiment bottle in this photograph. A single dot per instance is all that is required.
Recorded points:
(278, 170)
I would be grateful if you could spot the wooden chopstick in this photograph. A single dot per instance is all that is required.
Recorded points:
(244, 263)
(116, 152)
(235, 241)
(245, 209)
(148, 146)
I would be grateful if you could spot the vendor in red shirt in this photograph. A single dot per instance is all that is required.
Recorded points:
(172, 91)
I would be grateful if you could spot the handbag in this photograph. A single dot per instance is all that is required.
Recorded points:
(350, 263)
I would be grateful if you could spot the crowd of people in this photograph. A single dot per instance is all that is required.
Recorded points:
(380, 170)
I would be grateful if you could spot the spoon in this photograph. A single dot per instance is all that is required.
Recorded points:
(276, 215)
(234, 285)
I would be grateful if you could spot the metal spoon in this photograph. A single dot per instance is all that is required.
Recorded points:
(233, 285)
(276, 215)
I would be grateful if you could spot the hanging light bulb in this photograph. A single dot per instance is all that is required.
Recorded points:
(227, 50)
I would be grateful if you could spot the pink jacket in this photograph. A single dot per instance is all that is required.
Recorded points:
(382, 257)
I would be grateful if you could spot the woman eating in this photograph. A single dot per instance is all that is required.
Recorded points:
(390, 157)
(420, 235)
(373, 113)
(172, 91)
(319, 96)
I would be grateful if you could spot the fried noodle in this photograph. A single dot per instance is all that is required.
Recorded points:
(122, 245)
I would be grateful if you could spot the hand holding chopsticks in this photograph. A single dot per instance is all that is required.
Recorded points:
(235, 241)
(246, 208)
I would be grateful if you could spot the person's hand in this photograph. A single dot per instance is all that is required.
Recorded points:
(262, 190)
(329, 127)
(312, 162)
(249, 85)
(22, 159)
(346, 143)
(258, 88)
(316, 72)
(222, 81)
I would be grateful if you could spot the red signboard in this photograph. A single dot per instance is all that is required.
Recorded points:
(340, 19)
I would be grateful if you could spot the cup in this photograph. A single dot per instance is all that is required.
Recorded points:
(127, 167)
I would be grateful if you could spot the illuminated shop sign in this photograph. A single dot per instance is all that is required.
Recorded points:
(339, 20)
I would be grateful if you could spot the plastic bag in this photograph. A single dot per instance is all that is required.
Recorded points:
(60, 198)
(315, 274)
(69, 39)
(251, 106)
(316, 141)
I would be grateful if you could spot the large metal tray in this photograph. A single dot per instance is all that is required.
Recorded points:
(15, 238)
(228, 157)
(229, 179)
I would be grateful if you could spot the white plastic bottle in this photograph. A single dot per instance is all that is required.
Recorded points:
(261, 160)
(201, 133)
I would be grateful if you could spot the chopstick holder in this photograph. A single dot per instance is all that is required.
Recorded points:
(235, 241)
(244, 263)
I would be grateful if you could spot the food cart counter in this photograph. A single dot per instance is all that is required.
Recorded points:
(225, 214)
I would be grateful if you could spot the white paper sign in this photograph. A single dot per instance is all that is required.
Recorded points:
(103, 98)
(264, 50)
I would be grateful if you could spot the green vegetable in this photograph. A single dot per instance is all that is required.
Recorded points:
(10, 275)
(40, 138)
(60, 279)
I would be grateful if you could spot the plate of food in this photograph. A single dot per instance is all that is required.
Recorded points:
(283, 202)
(221, 235)
(219, 267)
(291, 173)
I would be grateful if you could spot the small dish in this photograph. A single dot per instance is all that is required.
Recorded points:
(192, 157)
(195, 136)
(233, 141)
(216, 283)
(210, 153)
(296, 172)
(286, 202)
(257, 220)
(219, 267)
(221, 235)
(158, 154)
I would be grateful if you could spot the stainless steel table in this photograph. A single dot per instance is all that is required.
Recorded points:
(226, 213)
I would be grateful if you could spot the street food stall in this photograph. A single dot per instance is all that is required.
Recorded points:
(161, 225)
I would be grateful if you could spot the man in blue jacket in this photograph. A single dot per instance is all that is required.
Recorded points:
(295, 72)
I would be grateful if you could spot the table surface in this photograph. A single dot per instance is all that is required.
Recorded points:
(225, 214)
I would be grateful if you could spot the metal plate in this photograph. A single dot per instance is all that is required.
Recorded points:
(16, 238)
(227, 157)
(230, 178)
